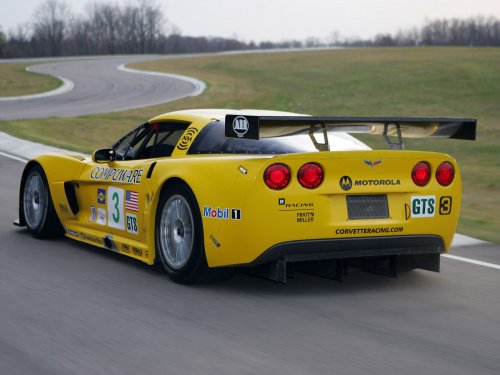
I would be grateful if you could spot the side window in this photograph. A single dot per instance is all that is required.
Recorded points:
(150, 141)
(128, 146)
(165, 144)
(162, 140)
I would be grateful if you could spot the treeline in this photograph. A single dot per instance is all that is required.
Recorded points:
(474, 31)
(105, 28)
(141, 27)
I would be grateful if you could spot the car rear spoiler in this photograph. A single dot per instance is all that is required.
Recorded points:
(254, 127)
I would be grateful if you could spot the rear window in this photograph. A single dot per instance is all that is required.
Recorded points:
(212, 140)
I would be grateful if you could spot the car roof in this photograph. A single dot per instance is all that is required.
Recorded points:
(219, 113)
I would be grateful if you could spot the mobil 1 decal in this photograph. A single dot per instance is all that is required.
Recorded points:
(115, 202)
(423, 206)
(246, 127)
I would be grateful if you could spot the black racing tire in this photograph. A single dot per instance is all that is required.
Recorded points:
(37, 206)
(179, 238)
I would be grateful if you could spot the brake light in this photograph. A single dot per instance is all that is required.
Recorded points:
(310, 175)
(421, 173)
(277, 176)
(445, 173)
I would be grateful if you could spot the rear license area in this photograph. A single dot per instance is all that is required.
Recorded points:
(367, 207)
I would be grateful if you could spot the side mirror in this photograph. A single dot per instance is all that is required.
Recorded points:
(104, 155)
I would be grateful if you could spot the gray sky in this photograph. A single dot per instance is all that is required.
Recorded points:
(284, 19)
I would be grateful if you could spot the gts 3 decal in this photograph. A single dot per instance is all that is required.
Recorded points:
(423, 206)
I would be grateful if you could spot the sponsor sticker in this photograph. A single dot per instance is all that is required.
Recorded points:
(380, 182)
(305, 217)
(132, 226)
(345, 183)
(90, 238)
(295, 206)
(120, 175)
(101, 196)
(137, 251)
(423, 206)
(93, 214)
(382, 230)
(101, 216)
(240, 126)
(222, 213)
(187, 138)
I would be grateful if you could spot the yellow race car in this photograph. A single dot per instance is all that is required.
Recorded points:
(207, 191)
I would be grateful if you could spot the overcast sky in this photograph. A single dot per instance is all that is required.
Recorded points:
(277, 20)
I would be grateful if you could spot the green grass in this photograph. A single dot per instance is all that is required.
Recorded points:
(16, 80)
(445, 82)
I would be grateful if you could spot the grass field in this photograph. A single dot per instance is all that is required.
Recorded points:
(15, 80)
(445, 82)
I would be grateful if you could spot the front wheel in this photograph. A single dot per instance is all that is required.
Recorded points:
(37, 207)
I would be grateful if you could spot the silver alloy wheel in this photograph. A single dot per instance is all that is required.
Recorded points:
(35, 200)
(176, 231)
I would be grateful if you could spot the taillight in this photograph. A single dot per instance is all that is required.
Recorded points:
(421, 173)
(445, 173)
(310, 175)
(277, 176)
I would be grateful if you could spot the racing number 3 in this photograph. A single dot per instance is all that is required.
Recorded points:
(116, 213)
(115, 208)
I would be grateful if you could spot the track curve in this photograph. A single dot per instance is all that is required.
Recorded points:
(99, 86)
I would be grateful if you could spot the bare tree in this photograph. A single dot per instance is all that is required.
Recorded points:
(49, 26)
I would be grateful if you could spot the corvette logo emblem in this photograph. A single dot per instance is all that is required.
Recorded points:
(345, 183)
(372, 163)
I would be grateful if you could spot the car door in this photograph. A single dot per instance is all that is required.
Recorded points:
(114, 195)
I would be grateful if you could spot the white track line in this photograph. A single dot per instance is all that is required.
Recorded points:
(199, 85)
(13, 157)
(472, 261)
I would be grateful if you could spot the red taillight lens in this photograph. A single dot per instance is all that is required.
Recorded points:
(421, 173)
(310, 175)
(277, 176)
(445, 173)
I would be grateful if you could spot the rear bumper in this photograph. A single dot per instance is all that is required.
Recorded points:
(298, 251)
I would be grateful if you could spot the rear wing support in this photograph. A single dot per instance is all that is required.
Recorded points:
(393, 146)
(325, 146)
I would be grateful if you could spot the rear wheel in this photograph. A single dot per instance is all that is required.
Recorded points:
(38, 209)
(179, 238)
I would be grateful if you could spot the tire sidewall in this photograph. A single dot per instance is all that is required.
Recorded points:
(40, 229)
(196, 264)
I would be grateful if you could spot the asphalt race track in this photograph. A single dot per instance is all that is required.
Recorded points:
(68, 308)
(98, 86)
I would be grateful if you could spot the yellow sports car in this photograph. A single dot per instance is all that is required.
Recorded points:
(205, 192)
